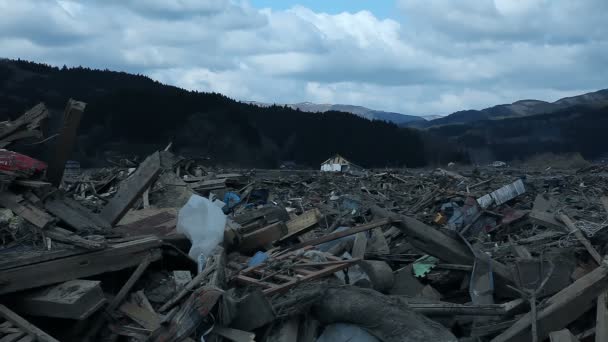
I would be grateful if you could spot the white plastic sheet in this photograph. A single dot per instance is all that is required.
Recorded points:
(203, 223)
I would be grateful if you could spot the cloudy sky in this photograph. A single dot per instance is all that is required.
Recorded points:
(412, 56)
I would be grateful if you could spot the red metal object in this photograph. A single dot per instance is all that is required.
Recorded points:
(16, 162)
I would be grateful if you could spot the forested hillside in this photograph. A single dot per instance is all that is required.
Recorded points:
(132, 114)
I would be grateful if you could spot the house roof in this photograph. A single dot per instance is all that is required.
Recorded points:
(337, 156)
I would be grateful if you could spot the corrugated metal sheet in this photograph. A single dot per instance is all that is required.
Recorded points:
(503, 195)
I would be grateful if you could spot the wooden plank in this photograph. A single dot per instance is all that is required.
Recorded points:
(27, 211)
(146, 198)
(561, 309)
(234, 334)
(601, 320)
(143, 317)
(243, 279)
(546, 220)
(64, 144)
(341, 234)
(111, 259)
(140, 299)
(74, 299)
(31, 183)
(262, 237)
(126, 288)
(31, 118)
(604, 201)
(35, 133)
(359, 246)
(74, 215)
(29, 256)
(131, 189)
(25, 325)
(68, 237)
(302, 223)
(581, 238)
(451, 309)
(196, 281)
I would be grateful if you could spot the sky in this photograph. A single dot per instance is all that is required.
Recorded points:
(419, 57)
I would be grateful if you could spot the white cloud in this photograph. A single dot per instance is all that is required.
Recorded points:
(443, 56)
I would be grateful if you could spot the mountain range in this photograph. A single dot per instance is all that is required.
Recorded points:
(364, 112)
(516, 109)
(521, 108)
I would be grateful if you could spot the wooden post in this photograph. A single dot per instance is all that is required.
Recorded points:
(131, 189)
(66, 140)
(561, 309)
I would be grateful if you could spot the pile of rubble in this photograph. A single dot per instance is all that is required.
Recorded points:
(170, 250)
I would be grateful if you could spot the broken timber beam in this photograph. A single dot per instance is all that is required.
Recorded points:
(126, 288)
(341, 234)
(561, 309)
(65, 142)
(74, 214)
(24, 325)
(131, 189)
(28, 212)
(545, 219)
(114, 258)
(435, 243)
(451, 309)
(32, 118)
(581, 238)
(70, 238)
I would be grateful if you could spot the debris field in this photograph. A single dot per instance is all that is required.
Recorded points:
(168, 249)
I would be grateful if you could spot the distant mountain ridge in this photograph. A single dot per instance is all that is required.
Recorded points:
(521, 108)
(364, 112)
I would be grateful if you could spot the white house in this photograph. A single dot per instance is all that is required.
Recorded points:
(338, 163)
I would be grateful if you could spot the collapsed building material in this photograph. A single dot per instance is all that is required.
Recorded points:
(304, 269)
(31, 119)
(502, 195)
(131, 189)
(561, 309)
(115, 257)
(302, 223)
(451, 309)
(200, 303)
(435, 243)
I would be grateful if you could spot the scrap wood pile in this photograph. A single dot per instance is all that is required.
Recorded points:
(170, 250)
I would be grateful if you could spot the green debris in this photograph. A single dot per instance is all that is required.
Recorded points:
(424, 265)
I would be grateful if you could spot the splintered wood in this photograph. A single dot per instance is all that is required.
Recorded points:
(293, 269)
